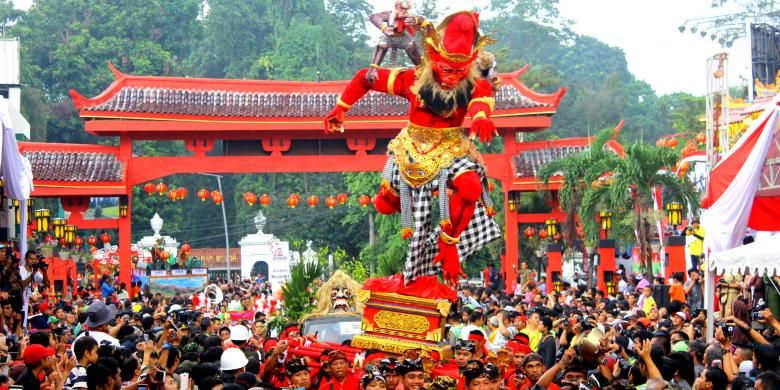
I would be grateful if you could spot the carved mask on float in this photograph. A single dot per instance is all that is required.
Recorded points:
(340, 297)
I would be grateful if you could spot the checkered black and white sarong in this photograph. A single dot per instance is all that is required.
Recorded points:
(423, 245)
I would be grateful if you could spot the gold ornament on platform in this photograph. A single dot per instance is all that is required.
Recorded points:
(401, 321)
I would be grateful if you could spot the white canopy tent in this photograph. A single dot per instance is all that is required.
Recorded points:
(758, 257)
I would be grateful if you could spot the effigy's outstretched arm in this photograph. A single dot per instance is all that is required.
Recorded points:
(481, 108)
(392, 81)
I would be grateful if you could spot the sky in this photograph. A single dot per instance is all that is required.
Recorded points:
(647, 32)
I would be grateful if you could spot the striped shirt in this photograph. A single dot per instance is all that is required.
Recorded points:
(77, 379)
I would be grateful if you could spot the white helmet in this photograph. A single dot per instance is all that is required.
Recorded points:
(239, 333)
(232, 359)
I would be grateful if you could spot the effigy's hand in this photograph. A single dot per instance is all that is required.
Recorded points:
(334, 121)
(484, 128)
(450, 263)
(372, 75)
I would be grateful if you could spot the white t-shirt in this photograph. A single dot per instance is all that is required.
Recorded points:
(27, 293)
(100, 337)
(500, 341)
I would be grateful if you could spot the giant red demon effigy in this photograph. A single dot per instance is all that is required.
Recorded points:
(430, 154)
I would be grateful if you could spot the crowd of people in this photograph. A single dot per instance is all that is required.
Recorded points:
(109, 338)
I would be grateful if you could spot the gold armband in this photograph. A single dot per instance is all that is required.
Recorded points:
(491, 102)
(391, 80)
(449, 240)
(375, 66)
(479, 115)
(343, 105)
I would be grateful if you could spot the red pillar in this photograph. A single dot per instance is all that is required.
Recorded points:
(605, 275)
(554, 266)
(125, 223)
(510, 259)
(675, 255)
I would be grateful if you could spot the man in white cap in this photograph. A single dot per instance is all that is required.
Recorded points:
(239, 335)
(232, 364)
(678, 320)
(98, 316)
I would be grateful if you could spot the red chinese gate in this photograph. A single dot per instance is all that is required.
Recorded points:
(265, 127)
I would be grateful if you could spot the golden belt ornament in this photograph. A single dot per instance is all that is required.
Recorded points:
(421, 152)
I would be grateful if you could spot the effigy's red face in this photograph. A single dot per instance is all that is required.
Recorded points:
(450, 76)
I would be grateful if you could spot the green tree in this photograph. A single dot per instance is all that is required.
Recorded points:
(579, 171)
(684, 111)
(629, 192)
(235, 34)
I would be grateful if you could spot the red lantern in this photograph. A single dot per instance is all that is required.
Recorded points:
(342, 198)
(265, 200)
(161, 188)
(78, 241)
(186, 248)
(217, 197)
(92, 240)
(203, 194)
(293, 201)
(491, 186)
(250, 198)
(672, 142)
(543, 234)
(149, 188)
(165, 255)
(173, 195)
(182, 193)
(529, 232)
(331, 201)
(557, 237)
(313, 200)
(105, 237)
(364, 200)
(296, 196)
(684, 168)
(62, 241)
(701, 138)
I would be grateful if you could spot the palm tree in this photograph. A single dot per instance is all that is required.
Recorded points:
(627, 191)
(634, 177)
(579, 170)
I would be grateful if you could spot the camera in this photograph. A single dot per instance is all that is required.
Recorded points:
(728, 329)
(760, 306)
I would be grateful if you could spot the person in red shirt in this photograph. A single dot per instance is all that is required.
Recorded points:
(464, 352)
(297, 371)
(480, 351)
(533, 367)
(373, 380)
(519, 352)
(476, 376)
(389, 369)
(493, 376)
(341, 378)
(412, 375)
